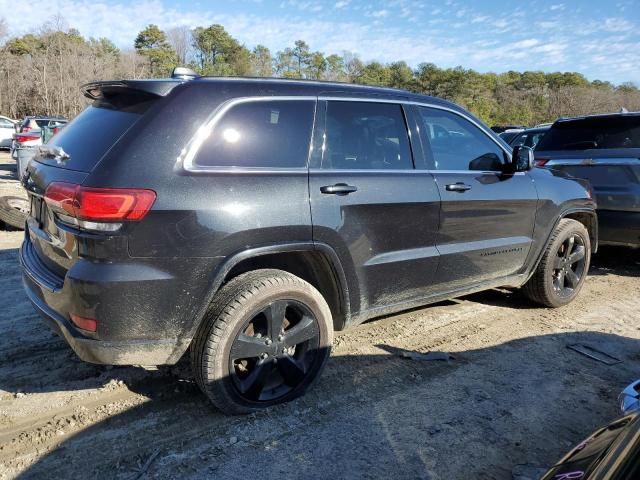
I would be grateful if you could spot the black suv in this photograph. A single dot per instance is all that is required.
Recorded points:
(247, 219)
(605, 150)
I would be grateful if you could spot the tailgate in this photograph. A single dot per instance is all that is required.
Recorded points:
(53, 246)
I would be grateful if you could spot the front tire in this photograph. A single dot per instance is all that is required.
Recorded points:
(264, 340)
(563, 268)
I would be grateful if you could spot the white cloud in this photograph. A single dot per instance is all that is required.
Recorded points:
(471, 36)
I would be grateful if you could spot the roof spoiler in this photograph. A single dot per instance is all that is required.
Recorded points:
(149, 88)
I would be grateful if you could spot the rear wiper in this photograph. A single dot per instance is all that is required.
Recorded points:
(57, 153)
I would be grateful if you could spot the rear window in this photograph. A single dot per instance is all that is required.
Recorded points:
(271, 134)
(94, 131)
(593, 133)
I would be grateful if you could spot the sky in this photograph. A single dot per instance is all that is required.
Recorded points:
(600, 39)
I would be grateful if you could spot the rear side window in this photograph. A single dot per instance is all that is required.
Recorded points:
(362, 135)
(457, 144)
(271, 134)
(593, 133)
(94, 131)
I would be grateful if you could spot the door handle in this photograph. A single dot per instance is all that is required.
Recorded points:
(458, 187)
(338, 189)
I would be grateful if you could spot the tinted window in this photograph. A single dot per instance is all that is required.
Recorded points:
(92, 133)
(260, 134)
(588, 133)
(361, 135)
(530, 139)
(5, 123)
(457, 144)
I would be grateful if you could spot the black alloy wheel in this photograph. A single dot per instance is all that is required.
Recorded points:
(273, 353)
(569, 265)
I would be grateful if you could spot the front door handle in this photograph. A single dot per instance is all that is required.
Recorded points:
(338, 189)
(458, 187)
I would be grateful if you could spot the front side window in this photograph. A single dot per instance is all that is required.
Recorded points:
(457, 144)
(363, 135)
(271, 134)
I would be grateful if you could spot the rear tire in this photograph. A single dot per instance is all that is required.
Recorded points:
(264, 340)
(563, 268)
(14, 211)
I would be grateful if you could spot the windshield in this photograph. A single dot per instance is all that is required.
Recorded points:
(593, 133)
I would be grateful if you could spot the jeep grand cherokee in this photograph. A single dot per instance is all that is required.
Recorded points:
(245, 220)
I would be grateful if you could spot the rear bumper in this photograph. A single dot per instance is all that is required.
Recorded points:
(133, 352)
(139, 321)
(619, 228)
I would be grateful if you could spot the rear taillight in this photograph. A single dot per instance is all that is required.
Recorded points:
(89, 324)
(100, 204)
(541, 162)
(26, 138)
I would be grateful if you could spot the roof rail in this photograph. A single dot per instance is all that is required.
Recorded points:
(184, 73)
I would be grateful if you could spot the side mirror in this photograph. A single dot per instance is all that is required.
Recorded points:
(523, 159)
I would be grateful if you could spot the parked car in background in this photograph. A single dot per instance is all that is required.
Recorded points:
(611, 452)
(31, 123)
(34, 125)
(503, 128)
(7, 129)
(247, 219)
(604, 149)
(510, 134)
(528, 138)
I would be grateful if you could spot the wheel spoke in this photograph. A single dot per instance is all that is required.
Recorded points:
(569, 246)
(577, 255)
(557, 262)
(561, 280)
(275, 317)
(304, 330)
(247, 346)
(572, 278)
(254, 383)
(292, 370)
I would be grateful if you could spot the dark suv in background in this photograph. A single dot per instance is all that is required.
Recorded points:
(246, 220)
(604, 149)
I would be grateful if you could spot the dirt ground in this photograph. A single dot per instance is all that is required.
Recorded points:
(514, 398)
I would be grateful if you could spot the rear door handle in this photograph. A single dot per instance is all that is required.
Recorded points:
(338, 189)
(458, 187)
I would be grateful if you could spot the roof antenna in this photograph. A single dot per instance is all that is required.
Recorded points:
(184, 73)
(623, 110)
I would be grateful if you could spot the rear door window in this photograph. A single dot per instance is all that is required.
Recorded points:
(267, 134)
(363, 135)
(94, 131)
(593, 133)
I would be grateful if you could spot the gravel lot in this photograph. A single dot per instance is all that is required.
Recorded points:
(513, 399)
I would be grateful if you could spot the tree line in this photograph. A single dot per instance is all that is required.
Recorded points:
(40, 73)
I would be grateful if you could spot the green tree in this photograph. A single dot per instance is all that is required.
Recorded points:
(261, 62)
(218, 53)
(152, 43)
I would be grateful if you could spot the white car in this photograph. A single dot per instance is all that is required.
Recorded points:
(7, 129)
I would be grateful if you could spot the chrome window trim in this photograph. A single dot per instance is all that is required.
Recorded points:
(187, 155)
(592, 161)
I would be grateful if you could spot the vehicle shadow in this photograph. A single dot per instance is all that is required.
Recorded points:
(377, 415)
(616, 260)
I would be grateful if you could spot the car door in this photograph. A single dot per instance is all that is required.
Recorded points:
(370, 204)
(487, 216)
(7, 130)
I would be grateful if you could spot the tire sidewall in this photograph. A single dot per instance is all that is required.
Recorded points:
(218, 366)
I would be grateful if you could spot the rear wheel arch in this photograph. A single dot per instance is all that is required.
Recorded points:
(317, 264)
(589, 219)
